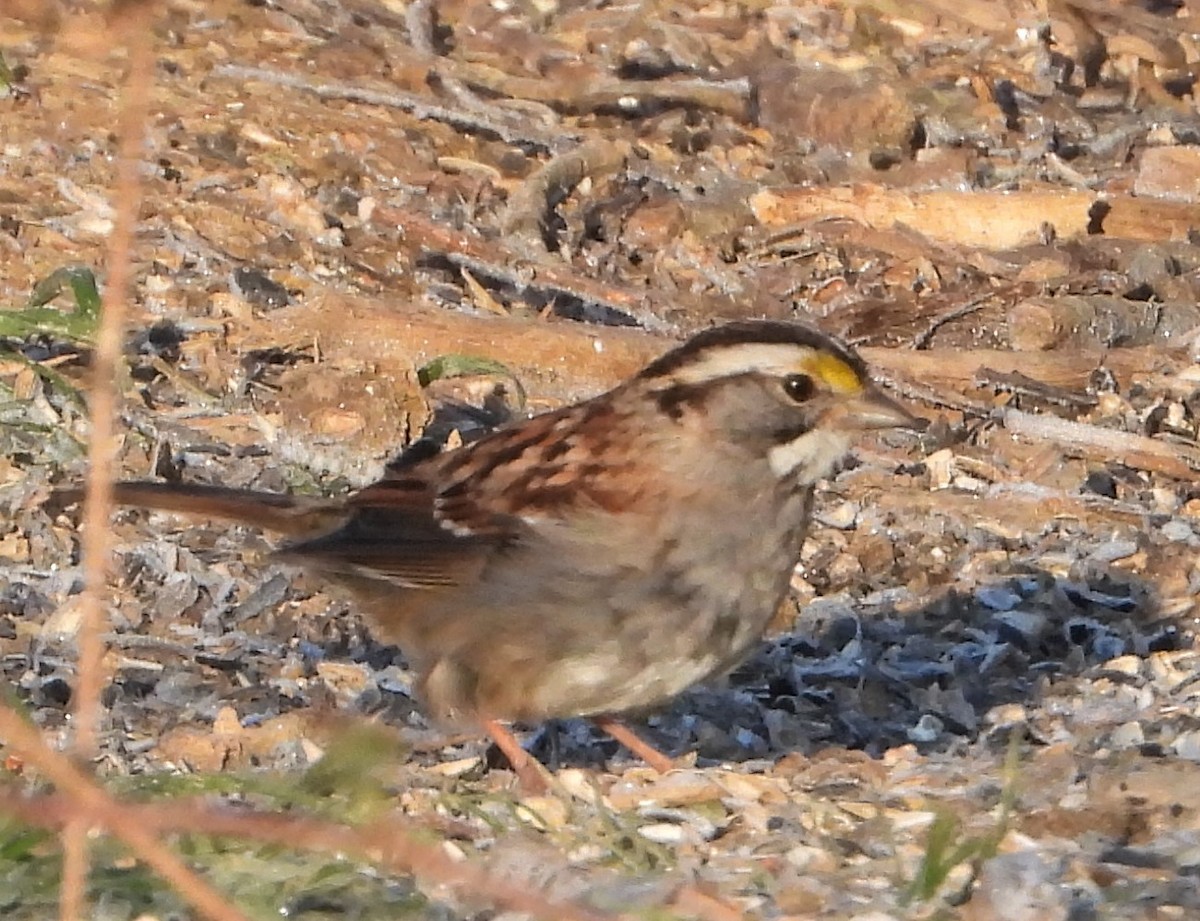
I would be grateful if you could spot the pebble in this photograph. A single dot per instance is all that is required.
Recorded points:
(457, 767)
(588, 853)
(1189, 858)
(543, 812)
(312, 751)
(345, 679)
(64, 623)
(1177, 531)
(1163, 672)
(751, 741)
(1166, 501)
(1187, 745)
(663, 833)
(844, 568)
(909, 820)
(750, 788)
(579, 784)
(701, 828)
(394, 680)
(997, 597)
(927, 729)
(1124, 665)
(808, 857)
(1006, 715)
(675, 789)
(1020, 887)
(843, 517)
(1113, 550)
(940, 465)
(1030, 624)
(1127, 735)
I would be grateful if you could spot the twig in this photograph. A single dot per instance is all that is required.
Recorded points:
(1023, 385)
(1012, 504)
(83, 802)
(731, 97)
(911, 390)
(135, 28)
(489, 260)
(922, 341)
(384, 843)
(1067, 173)
(529, 203)
(1138, 451)
(417, 106)
(420, 18)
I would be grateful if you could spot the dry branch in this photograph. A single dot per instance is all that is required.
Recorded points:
(384, 843)
(985, 220)
(134, 25)
(417, 106)
(87, 801)
(1010, 506)
(732, 97)
(559, 358)
(1108, 445)
(569, 360)
(958, 369)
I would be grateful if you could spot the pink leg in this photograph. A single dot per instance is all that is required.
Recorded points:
(639, 746)
(530, 774)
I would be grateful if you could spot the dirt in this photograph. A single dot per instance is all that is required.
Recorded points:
(981, 702)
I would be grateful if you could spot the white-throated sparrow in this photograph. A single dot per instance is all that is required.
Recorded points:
(599, 558)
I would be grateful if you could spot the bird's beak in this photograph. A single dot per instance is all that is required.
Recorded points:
(873, 409)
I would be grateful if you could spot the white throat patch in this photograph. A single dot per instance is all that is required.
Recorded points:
(810, 457)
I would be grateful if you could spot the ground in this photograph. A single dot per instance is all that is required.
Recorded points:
(981, 701)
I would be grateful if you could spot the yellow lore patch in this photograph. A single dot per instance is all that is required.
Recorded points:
(833, 372)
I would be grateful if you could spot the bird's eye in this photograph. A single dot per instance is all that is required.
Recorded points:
(798, 386)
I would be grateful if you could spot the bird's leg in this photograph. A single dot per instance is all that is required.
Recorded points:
(632, 741)
(531, 773)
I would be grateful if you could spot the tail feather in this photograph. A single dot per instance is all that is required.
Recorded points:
(290, 515)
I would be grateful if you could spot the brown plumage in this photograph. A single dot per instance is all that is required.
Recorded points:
(600, 558)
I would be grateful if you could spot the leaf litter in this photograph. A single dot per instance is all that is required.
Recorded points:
(366, 224)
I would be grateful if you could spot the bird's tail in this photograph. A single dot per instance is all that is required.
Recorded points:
(290, 515)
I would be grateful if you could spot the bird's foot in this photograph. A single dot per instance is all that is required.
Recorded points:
(635, 743)
(532, 775)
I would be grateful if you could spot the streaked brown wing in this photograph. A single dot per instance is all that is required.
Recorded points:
(393, 534)
(577, 459)
(438, 522)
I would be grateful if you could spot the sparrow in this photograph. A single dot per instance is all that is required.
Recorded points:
(598, 559)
